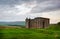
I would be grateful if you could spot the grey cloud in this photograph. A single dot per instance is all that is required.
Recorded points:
(8, 10)
(14, 2)
(9, 13)
(46, 6)
(8, 2)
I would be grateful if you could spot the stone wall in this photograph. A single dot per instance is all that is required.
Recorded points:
(38, 22)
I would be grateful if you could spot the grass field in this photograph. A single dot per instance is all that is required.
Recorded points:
(53, 32)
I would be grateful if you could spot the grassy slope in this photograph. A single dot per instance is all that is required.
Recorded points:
(22, 33)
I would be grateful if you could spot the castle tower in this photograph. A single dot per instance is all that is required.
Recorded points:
(27, 22)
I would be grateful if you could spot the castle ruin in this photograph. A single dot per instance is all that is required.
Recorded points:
(38, 22)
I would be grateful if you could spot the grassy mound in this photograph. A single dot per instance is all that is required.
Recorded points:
(23, 33)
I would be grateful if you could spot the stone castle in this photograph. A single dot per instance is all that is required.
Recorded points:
(38, 22)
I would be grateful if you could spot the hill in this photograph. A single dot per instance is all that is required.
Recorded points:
(13, 23)
(53, 32)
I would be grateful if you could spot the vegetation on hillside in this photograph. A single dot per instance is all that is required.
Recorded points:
(53, 32)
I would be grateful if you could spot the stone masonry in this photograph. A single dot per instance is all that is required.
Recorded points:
(38, 22)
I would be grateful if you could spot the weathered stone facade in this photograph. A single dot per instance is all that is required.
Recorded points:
(37, 22)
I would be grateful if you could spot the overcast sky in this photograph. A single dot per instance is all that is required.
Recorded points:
(18, 10)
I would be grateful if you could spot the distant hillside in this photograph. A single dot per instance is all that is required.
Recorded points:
(13, 23)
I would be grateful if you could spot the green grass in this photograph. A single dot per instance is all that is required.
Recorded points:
(53, 32)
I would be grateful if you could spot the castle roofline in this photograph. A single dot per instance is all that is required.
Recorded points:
(40, 18)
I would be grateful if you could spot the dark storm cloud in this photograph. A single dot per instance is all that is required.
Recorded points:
(46, 6)
(41, 5)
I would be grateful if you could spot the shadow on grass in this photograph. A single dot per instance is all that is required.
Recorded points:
(1, 34)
